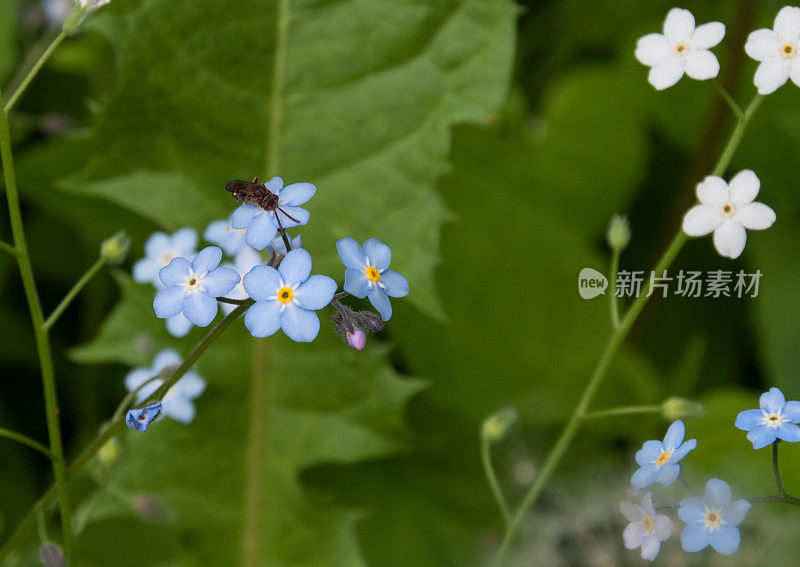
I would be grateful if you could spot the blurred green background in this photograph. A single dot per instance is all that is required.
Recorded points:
(488, 143)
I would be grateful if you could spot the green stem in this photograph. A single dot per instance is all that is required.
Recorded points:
(624, 410)
(491, 477)
(40, 61)
(6, 247)
(612, 346)
(723, 92)
(612, 292)
(775, 499)
(79, 285)
(25, 440)
(113, 428)
(40, 334)
(776, 470)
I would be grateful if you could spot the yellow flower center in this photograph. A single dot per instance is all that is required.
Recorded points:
(788, 50)
(285, 295)
(663, 457)
(372, 274)
(728, 209)
(712, 518)
(681, 48)
(648, 523)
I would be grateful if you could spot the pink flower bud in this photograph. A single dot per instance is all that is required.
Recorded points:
(357, 339)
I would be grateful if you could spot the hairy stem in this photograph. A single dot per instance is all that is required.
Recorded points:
(612, 292)
(623, 410)
(42, 58)
(491, 477)
(776, 468)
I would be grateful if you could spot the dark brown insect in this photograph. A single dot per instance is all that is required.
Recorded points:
(255, 193)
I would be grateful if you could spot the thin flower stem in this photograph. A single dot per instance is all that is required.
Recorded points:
(34, 70)
(775, 499)
(6, 247)
(76, 289)
(723, 92)
(230, 301)
(612, 346)
(113, 428)
(623, 410)
(340, 295)
(491, 477)
(612, 292)
(40, 524)
(25, 440)
(40, 334)
(776, 468)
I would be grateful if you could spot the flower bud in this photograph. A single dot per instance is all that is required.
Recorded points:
(619, 233)
(109, 453)
(369, 321)
(113, 250)
(496, 426)
(681, 408)
(51, 555)
(356, 339)
(75, 19)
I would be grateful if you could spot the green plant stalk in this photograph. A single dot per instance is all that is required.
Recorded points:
(776, 469)
(723, 92)
(624, 410)
(76, 289)
(612, 292)
(40, 333)
(25, 440)
(612, 346)
(491, 477)
(6, 247)
(29, 76)
(114, 427)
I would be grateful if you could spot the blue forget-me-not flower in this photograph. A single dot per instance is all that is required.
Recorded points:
(279, 246)
(261, 224)
(712, 520)
(777, 419)
(646, 529)
(286, 298)
(368, 273)
(140, 419)
(192, 287)
(159, 250)
(658, 461)
(221, 233)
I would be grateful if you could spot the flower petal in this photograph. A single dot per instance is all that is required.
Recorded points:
(295, 267)
(683, 450)
(643, 477)
(146, 271)
(756, 216)
(157, 243)
(165, 359)
(663, 527)
(190, 386)
(169, 302)
(772, 401)
(179, 409)
(315, 293)
(184, 241)
(789, 432)
(744, 187)
(667, 474)
(650, 547)
(692, 510)
(708, 35)
(378, 253)
(701, 220)
(632, 512)
(297, 194)
(730, 238)
(694, 537)
(260, 231)
(674, 436)
(763, 44)
(179, 326)
(222, 234)
(351, 254)
(356, 283)
(794, 70)
(275, 185)
(380, 301)
(649, 452)
(653, 49)
(394, 284)
(787, 24)
(771, 74)
(242, 216)
(221, 281)
(679, 25)
(299, 325)
(733, 513)
(713, 191)
(263, 318)
(262, 282)
(633, 535)
(725, 540)
(749, 419)
(791, 411)
(200, 309)
(137, 377)
(701, 65)
(762, 436)
(717, 493)
(647, 504)
(175, 272)
(666, 73)
(299, 216)
(207, 259)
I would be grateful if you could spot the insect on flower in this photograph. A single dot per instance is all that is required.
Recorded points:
(255, 193)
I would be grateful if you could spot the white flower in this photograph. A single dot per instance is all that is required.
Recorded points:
(647, 529)
(681, 49)
(777, 51)
(177, 402)
(159, 250)
(727, 210)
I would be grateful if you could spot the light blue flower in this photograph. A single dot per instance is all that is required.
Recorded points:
(279, 246)
(368, 273)
(179, 326)
(712, 520)
(646, 529)
(140, 419)
(776, 419)
(192, 287)
(286, 298)
(245, 260)
(658, 461)
(261, 225)
(221, 233)
(159, 250)
(178, 401)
